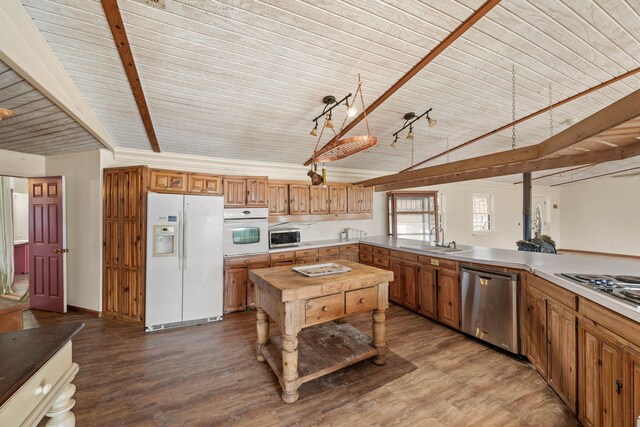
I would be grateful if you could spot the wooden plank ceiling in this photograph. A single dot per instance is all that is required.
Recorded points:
(37, 126)
(244, 79)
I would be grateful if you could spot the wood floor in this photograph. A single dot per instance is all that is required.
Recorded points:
(208, 375)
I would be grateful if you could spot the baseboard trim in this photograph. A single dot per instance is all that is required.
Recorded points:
(84, 310)
(608, 254)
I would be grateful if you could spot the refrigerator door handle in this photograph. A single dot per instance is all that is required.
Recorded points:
(184, 241)
(180, 241)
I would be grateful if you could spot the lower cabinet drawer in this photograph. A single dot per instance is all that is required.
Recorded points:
(323, 309)
(361, 300)
(281, 263)
(307, 260)
(367, 248)
(22, 403)
(329, 257)
(329, 250)
(381, 261)
(366, 257)
(348, 248)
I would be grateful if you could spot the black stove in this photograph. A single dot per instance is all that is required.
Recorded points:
(622, 287)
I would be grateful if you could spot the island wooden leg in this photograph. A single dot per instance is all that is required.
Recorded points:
(262, 326)
(290, 381)
(378, 337)
(60, 412)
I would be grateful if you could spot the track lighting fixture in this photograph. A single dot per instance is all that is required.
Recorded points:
(330, 103)
(409, 120)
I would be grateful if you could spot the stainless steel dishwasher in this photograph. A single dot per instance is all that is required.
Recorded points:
(489, 307)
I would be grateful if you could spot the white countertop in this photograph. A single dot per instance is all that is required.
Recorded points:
(545, 266)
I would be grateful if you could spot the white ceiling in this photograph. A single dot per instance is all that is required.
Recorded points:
(243, 80)
(37, 125)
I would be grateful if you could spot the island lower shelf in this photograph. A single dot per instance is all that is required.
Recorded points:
(322, 349)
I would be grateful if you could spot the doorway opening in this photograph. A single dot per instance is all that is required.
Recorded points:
(14, 238)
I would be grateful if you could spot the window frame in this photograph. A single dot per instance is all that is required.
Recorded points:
(490, 213)
(392, 216)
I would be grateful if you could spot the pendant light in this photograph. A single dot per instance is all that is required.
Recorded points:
(329, 123)
(314, 131)
(410, 133)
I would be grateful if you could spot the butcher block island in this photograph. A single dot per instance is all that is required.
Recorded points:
(304, 308)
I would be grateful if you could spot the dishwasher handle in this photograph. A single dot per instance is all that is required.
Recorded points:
(489, 275)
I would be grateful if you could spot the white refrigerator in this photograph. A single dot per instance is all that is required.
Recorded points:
(184, 260)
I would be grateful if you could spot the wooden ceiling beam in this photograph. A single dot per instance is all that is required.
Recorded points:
(525, 118)
(595, 176)
(621, 111)
(112, 12)
(453, 36)
(592, 157)
(555, 173)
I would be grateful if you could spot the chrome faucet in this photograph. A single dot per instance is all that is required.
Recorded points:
(437, 228)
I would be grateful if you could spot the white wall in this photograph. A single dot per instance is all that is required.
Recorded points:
(13, 163)
(20, 187)
(602, 215)
(507, 199)
(83, 193)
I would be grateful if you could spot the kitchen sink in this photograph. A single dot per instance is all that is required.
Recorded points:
(435, 249)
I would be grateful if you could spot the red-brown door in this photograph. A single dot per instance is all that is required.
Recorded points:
(46, 244)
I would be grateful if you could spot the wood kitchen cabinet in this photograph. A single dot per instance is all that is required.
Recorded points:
(562, 371)
(257, 192)
(298, 199)
(427, 291)
(359, 199)
(235, 191)
(338, 199)
(600, 377)
(204, 184)
(238, 289)
(278, 199)
(537, 330)
(410, 285)
(318, 200)
(166, 181)
(242, 192)
(396, 290)
(631, 361)
(449, 298)
(350, 252)
(124, 242)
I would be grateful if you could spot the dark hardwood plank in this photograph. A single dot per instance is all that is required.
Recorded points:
(208, 375)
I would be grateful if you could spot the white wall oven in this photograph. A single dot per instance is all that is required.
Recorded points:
(246, 231)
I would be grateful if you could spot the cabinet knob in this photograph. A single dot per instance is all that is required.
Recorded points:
(43, 389)
(361, 301)
(325, 308)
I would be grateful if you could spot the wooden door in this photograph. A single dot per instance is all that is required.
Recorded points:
(204, 184)
(537, 331)
(278, 199)
(366, 205)
(354, 199)
(318, 200)
(235, 192)
(396, 291)
(410, 275)
(165, 181)
(562, 353)
(631, 381)
(338, 199)
(589, 394)
(448, 298)
(611, 369)
(47, 244)
(298, 199)
(257, 192)
(427, 291)
(235, 288)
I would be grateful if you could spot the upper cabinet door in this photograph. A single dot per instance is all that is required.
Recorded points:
(318, 200)
(278, 199)
(354, 199)
(168, 181)
(366, 205)
(205, 184)
(235, 192)
(257, 192)
(298, 199)
(338, 199)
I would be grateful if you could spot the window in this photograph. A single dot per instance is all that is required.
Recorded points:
(482, 212)
(413, 215)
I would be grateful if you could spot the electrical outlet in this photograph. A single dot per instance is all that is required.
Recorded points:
(323, 233)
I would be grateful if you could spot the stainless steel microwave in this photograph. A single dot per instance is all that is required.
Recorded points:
(284, 237)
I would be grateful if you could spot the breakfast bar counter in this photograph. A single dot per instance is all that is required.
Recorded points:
(311, 345)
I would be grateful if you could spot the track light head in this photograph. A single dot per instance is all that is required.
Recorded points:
(410, 134)
(351, 110)
(329, 122)
(395, 142)
(314, 131)
(432, 122)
